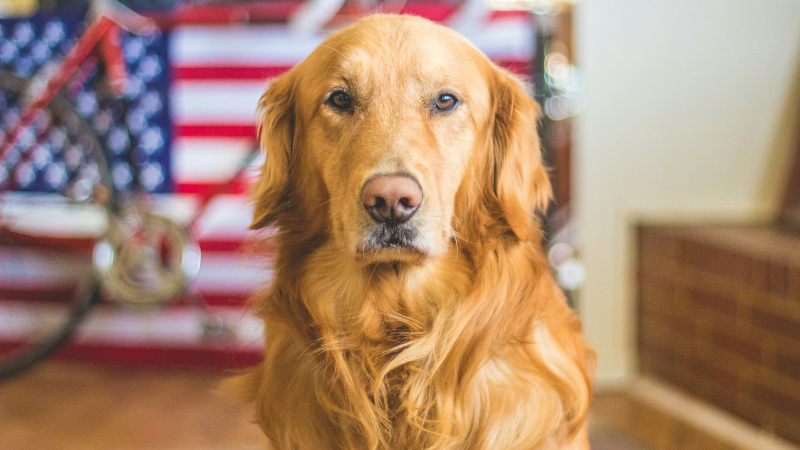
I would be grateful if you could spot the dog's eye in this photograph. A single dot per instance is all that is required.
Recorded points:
(446, 102)
(340, 100)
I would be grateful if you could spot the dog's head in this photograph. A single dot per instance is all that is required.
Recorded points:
(396, 137)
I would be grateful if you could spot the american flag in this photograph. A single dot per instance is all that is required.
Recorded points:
(188, 124)
(134, 129)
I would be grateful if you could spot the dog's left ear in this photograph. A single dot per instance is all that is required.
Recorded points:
(521, 183)
(276, 134)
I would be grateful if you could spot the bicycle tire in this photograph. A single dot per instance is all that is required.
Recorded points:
(31, 328)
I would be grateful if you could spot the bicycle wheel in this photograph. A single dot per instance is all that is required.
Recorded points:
(55, 198)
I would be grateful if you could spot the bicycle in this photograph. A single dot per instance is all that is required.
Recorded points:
(138, 257)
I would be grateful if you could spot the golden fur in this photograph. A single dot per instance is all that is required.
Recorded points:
(461, 340)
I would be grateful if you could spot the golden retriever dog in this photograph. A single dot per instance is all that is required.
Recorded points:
(412, 307)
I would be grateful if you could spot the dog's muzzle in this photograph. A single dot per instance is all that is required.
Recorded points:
(391, 200)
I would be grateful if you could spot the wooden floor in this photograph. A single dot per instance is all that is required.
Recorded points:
(649, 426)
(70, 406)
(74, 406)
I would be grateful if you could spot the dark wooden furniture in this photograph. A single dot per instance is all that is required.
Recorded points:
(719, 312)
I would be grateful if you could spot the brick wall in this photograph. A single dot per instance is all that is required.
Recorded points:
(719, 317)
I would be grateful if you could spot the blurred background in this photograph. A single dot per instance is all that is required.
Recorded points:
(672, 129)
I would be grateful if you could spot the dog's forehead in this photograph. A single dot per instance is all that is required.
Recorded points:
(405, 46)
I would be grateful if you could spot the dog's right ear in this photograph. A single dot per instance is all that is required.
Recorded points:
(276, 135)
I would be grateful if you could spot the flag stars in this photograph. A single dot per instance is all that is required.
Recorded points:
(56, 175)
(8, 51)
(41, 157)
(40, 52)
(132, 49)
(23, 33)
(121, 174)
(24, 66)
(102, 122)
(151, 140)
(136, 120)
(53, 32)
(134, 132)
(57, 139)
(118, 140)
(25, 174)
(9, 116)
(150, 103)
(149, 67)
(151, 176)
(86, 103)
(73, 157)
(135, 86)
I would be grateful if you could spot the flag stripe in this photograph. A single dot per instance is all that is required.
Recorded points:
(221, 129)
(281, 11)
(130, 336)
(203, 355)
(207, 189)
(224, 270)
(507, 38)
(232, 73)
(210, 160)
(211, 101)
(240, 46)
(263, 73)
(228, 13)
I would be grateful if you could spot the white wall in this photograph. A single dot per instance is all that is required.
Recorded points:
(688, 106)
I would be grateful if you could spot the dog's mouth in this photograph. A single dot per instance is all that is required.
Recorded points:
(390, 243)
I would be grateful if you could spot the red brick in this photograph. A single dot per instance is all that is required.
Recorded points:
(719, 261)
(706, 367)
(655, 360)
(788, 428)
(656, 292)
(724, 397)
(759, 276)
(732, 337)
(734, 265)
(658, 241)
(778, 279)
(687, 379)
(788, 365)
(737, 342)
(755, 412)
(654, 342)
(716, 301)
(665, 316)
(657, 355)
(794, 285)
(657, 332)
(695, 254)
(776, 324)
(779, 401)
(656, 269)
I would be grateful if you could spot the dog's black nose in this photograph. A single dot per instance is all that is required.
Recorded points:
(391, 199)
